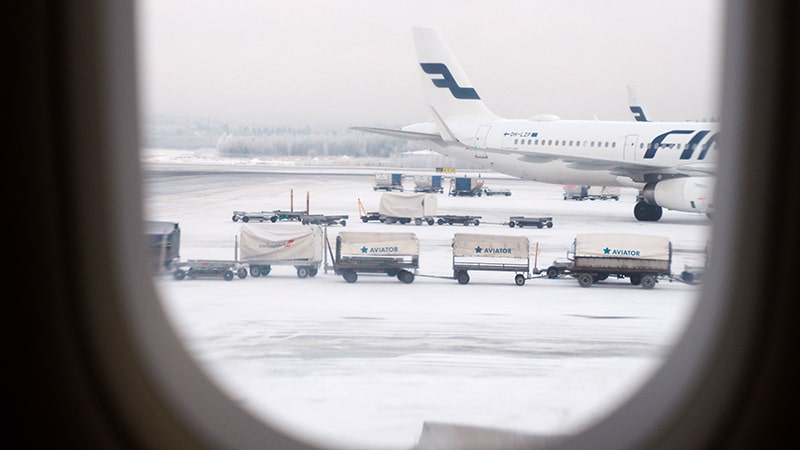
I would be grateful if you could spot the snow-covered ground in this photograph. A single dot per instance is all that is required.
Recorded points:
(366, 364)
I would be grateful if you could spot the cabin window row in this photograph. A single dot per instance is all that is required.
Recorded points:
(565, 143)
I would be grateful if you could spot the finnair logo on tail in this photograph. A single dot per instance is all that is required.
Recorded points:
(447, 81)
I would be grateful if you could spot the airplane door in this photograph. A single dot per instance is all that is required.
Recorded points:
(629, 154)
(480, 141)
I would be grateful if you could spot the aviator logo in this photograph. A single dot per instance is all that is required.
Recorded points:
(447, 81)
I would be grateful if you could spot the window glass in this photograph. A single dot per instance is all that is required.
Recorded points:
(247, 109)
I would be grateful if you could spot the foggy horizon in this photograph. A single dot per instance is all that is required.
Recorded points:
(332, 65)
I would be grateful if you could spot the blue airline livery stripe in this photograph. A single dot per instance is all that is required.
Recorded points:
(447, 81)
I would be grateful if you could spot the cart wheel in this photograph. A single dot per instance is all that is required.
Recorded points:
(302, 272)
(636, 279)
(440, 221)
(350, 276)
(179, 274)
(343, 223)
(365, 219)
(245, 219)
(312, 272)
(255, 271)
(273, 219)
(228, 275)
(648, 282)
(585, 280)
(391, 272)
(405, 276)
(519, 279)
(552, 272)
(549, 224)
(511, 224)
(235, 218)
(241, 273)
(417, 221)
(539, 225)
(476, 222)
(462, 277)
(430, 221)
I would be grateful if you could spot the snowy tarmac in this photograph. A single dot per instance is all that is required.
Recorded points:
(367, 364)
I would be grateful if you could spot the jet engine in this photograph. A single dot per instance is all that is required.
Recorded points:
(689, 194)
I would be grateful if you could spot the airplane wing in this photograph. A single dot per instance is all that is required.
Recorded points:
(631, 169)
(411, 135)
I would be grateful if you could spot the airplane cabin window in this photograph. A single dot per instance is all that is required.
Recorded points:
(266, 178)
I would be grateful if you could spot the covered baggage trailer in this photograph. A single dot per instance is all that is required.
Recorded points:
(428, 183)
(394, 254)
(491, 252)
(164, 244)
(405, 208)
(388, 182)
(538, 222)
(643, 259)
(262, 246)
(466, 187)
(209, 268)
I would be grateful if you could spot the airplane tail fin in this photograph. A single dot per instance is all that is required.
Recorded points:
(445, 86)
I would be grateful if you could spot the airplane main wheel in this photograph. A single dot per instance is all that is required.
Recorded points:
(645, 212)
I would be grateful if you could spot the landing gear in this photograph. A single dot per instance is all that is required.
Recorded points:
(646, 212)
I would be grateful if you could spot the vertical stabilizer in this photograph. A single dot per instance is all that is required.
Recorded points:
(445, 85)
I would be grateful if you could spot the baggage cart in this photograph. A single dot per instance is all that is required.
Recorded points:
(466, 187)
(393, 254)
(428, 183)
(388, 182)
(642, 259)
(538, 222)
(491, 253)
(451, 219)
(263, 246)
(405, 208)
(208, 268)
(322, 219)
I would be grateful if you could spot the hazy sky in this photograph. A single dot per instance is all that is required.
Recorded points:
(352, 62)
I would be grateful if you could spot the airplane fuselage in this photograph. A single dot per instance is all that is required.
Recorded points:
(653, 145)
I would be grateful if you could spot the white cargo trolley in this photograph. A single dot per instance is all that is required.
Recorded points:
(491, 252)
(643, 259)
(262, 246)
(394, 254)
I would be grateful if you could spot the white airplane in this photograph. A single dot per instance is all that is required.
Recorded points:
(671, 163)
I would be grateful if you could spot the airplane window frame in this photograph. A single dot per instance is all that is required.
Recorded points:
(109, 328)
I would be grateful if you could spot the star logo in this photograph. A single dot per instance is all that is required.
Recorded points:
(478, 249)
(364, 249)
(606, 251)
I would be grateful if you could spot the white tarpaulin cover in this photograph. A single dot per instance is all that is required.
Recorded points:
(407, 205)
(612, 245)
(277, 241)
(378, 244)
(490, 246)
